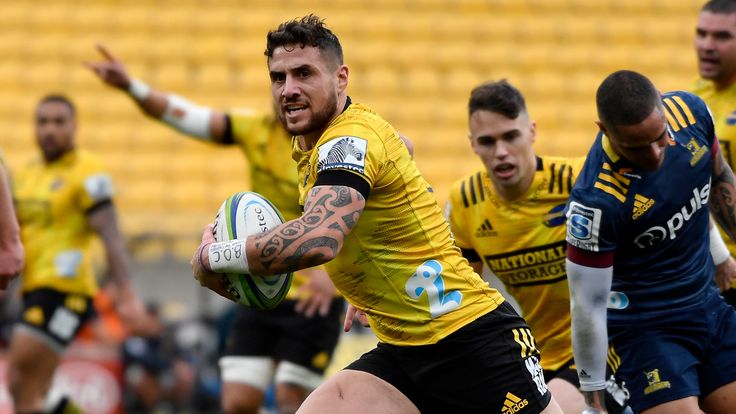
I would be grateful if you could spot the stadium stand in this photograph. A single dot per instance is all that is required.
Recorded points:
(413, 60)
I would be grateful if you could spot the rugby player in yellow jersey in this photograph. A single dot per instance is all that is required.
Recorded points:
(11, 249)
(293, 344)
(508, 215)
(63, 199)
(715, 45)
(448, 343)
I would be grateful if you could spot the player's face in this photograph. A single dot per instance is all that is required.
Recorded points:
(715, 44)
(505, 147)
(55, 128)
(644, 143)
(305, 86)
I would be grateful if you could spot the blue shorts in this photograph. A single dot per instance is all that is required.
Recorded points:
(681, 354)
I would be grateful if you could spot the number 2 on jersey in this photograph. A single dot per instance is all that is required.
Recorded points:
(428, 278)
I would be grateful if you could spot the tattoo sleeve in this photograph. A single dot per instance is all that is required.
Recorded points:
(330, 214)
(723, 196)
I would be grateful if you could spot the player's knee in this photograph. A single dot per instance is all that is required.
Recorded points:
(289, 398)
(241, 403)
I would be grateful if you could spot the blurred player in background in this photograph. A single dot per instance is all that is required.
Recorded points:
(448, 342)
(638, 265)
(715, 45)
(11, 249)
(297, 339)
(509, 215)
(63, 199)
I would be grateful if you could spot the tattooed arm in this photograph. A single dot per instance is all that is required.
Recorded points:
(330, 213)
(723, 195)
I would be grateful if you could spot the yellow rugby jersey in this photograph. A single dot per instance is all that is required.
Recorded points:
(399, 264)
(523, 243)
(272, 171)
(722, 105)
(52, 201)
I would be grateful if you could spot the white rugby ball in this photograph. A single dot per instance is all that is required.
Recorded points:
(239, 216)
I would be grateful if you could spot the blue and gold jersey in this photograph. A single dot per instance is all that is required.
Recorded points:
(399, 264)
(523, 243)
(655, 222)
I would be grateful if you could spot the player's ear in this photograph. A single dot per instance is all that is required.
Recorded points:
(602, 127)
(533, 131)
(342, 78)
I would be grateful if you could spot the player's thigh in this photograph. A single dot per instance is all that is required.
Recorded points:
(30, 359)
(356, 392)
(721, 401)
(241, 398)
(567, 395)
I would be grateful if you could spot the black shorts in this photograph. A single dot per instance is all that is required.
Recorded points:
(284, 334)
(56, 315)
(490, 365)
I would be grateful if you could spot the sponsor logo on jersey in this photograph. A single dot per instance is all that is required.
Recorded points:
(485, 230)
(555, 216)
(656, 234)
(583, 226)
(513, 404)
(343, 152)
(533, 266)
(696, 150)
(641, 205)
(655, 382)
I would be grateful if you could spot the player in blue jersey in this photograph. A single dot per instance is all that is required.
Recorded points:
(638, 245)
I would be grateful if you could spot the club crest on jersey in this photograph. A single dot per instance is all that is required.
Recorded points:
(343, 152)
(485, 230)
(696, 150)
(583, 226)
(555, 216)
(655, 382)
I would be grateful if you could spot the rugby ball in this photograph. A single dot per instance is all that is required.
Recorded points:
(239, 216)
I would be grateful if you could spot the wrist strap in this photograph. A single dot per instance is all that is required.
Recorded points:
(718, 249)
(139, 90)
(228, 257)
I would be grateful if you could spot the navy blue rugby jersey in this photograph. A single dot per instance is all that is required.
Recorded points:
(654, 222)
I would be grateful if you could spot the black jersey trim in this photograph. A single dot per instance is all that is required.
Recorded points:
(346, 178)
(470, 254)
(98, 205)
(227, 136)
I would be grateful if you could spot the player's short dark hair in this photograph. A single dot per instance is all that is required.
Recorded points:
(499, 96)
(309, 30)
(626, 98)
(58, 98)
(720, 6)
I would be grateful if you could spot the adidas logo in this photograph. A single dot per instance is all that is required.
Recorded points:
(485, 230)
(641, 205)
(513, 404)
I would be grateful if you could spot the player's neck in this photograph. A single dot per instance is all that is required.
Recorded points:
(726, 83)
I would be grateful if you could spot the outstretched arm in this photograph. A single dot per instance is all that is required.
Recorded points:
(330, 214)
(191, 119)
